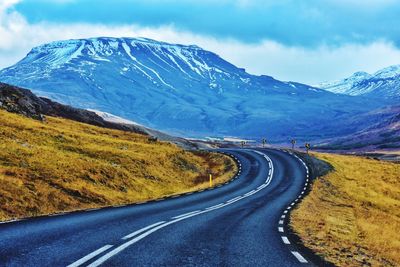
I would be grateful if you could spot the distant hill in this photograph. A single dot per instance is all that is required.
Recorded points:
(183, 90)
(384, 83)
(384, 133)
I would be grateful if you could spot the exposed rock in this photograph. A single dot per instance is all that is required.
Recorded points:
(24, 102)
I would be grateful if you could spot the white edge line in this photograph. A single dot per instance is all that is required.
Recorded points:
(142, 230)
(185, 214)
(235, 199)
(252, 192)
(215, 206)
(120, 248)
(89, 256)
(285, 240)
(299, 257)
(164, 224)
(13, 220)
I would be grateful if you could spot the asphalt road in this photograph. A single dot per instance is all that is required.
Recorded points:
(241, 223)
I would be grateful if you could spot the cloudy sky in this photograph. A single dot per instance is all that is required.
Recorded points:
(307, 41)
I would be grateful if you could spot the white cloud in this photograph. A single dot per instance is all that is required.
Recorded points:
(310, 65)
(363, 3)
(6, 4)
(270, 58)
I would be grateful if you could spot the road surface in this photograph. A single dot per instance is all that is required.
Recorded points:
(241, 223)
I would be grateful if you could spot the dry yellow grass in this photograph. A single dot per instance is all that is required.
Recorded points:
(62, 165)
(352, 215)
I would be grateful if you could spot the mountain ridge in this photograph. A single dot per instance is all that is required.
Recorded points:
(183, 90)
(384, 83)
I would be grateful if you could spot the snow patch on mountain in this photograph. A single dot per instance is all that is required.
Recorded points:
(113, 118)
(384, 83)
(389, 72)
(345, 86)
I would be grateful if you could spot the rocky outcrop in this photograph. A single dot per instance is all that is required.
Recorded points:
(24, 102)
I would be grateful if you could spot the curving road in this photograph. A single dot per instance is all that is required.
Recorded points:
(239, 224)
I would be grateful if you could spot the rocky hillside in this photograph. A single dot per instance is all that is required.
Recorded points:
(60, 165)
(23, 101)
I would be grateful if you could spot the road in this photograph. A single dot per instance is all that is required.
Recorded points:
(241, 223)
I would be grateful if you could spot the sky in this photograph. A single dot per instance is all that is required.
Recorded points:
(308, 41)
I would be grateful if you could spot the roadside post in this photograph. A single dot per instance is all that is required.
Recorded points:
(293, 143)
(211, 182)
(308, 147)
(264, 141)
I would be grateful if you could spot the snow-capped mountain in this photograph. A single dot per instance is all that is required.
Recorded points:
(346, 86)
(384, 83)
(180, 89)
(151, 63)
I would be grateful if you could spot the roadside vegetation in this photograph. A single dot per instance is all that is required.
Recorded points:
(352, 215)
(61, 165)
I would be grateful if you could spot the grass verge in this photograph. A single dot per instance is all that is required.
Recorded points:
(62, 165)
(352, 215)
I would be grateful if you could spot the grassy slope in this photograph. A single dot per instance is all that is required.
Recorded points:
(352, 215)
(63, 165)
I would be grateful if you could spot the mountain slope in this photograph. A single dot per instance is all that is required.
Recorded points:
(61, 165)
(346, 86)
(182, 90)
(23, 101)
(384, 133)
(384, 83)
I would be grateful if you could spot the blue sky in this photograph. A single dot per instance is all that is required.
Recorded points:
(305, 40)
